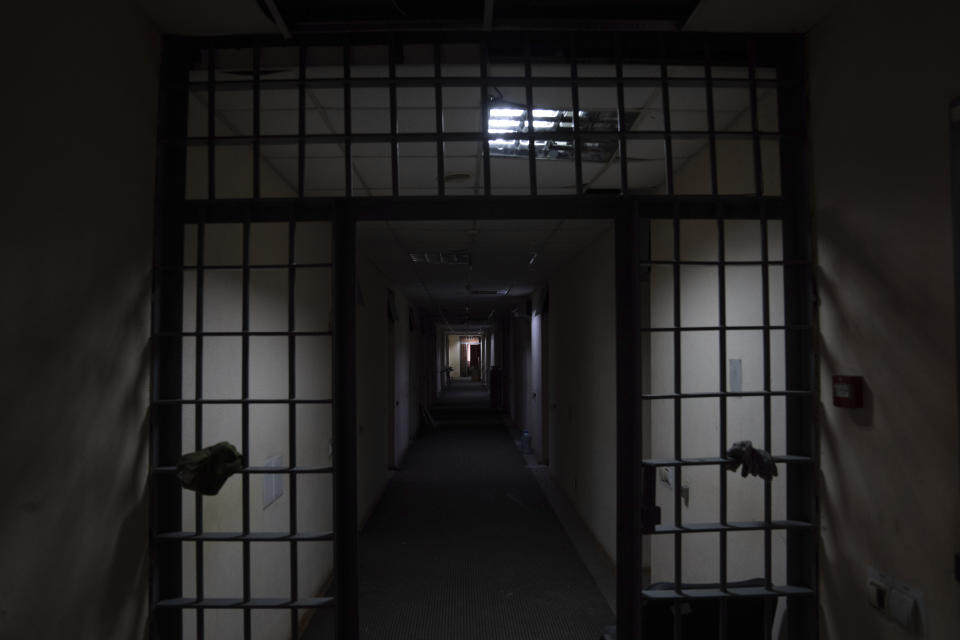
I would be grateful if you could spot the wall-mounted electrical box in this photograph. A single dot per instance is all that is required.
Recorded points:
(897, 601)
(848, 392)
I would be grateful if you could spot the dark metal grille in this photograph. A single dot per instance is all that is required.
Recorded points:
(674, 136)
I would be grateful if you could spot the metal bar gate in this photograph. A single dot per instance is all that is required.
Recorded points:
(270, 153)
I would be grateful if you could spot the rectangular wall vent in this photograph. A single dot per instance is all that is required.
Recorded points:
(448, 256)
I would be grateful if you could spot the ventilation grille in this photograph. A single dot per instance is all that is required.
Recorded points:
(450, 256)
(488, 292)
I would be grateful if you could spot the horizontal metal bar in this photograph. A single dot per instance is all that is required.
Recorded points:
(471, 81)
(727, 394)
(470, 207)
(734, 263)
(714, 527)
(699, 462)
(256, 470)
(229, 536)
(730, 592)
(230, 334)
(773, 327)
(240, 603)
(181, 401)
(477, 136)
(239, 267)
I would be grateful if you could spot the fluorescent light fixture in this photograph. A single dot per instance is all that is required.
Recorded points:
(517, 120)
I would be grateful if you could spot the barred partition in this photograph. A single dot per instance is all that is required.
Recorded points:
(272, 150)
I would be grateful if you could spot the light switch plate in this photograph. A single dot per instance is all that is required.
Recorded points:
(272, 482)
(735, 379)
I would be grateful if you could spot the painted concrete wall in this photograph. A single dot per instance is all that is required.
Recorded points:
(880, 84)
(453, 355)
(404, 393)
(582, 380)
(535, 391)
(520, 371)
(372, 422)
(700, 373)
(75, 275)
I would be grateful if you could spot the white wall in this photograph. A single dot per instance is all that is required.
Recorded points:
(453, 354)
(269, 424)
(404, 389)
(880, 83)
(75, 274)
(700, 418)
(535, 391)
(582, 377)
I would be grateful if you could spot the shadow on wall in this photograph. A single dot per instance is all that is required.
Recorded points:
(77, 523)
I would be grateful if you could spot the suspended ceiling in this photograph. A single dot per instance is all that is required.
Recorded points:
(509, 261)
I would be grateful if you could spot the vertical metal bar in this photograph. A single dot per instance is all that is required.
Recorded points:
(211, 125)
(167, 366)
(954, 119)
(629, 416)
(765, 293)
(722, 323)
(198, 417)
(198, 408)
(245, 355)
(485, 101)
(256, 122)
(667, 137)
(301, 121)
(292, 416)
(347, 123)
(245, 422)
(292, 340)
(344, 425)
(754, 120)
(531, 135)
(677, 427)
(394, 151)
(802, 555)
(621, 119)
(438, 115)
(575, 89)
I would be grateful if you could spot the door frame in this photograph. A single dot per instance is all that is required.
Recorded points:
(627, 209)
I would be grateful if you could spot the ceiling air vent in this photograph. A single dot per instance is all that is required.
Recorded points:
(488, 292)
(449, 256)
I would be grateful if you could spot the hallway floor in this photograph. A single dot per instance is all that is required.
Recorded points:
(464, 545)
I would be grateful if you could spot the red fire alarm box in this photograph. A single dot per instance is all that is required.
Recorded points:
(848, 392)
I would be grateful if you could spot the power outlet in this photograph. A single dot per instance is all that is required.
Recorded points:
(897, 601)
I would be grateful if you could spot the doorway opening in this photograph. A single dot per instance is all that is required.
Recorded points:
(270, 150)
(469, 484)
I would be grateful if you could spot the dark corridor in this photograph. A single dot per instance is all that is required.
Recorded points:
(464, 544)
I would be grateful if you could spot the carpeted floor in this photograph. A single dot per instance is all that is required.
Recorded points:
(464, 545)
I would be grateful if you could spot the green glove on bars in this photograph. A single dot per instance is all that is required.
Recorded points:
(206, 470)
